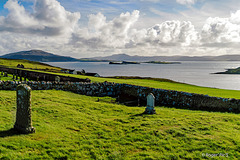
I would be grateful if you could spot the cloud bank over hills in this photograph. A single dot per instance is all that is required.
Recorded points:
(49, 26)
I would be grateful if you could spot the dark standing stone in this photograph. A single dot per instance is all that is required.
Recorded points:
(23, 116)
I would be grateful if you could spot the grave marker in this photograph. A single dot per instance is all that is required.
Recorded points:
(57, 79)
(24, 116)
(150, 104)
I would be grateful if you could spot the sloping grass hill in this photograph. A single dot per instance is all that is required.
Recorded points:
(12, 63)
(72, 126)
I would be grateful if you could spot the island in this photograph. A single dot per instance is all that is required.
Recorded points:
(124, 62)
(230, 71)
(153, 62)
(162, 62)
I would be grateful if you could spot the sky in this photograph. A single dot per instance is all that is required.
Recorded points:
(92, 28)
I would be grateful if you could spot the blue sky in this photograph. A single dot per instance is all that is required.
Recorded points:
(88, 28)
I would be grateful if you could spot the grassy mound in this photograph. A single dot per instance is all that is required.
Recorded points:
(72, 126)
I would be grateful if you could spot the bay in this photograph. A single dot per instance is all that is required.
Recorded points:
(192, 72)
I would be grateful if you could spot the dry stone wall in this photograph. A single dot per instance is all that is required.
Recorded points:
(91, 89)
(186, 100)
(163, 97)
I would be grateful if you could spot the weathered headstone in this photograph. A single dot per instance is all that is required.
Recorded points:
(24, 112)
(150, 104)
(57, 79)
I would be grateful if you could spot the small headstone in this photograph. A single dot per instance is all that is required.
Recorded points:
(150, 104)
(24, 112)
(57, 79)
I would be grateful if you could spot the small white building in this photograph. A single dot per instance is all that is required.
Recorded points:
(72, 72)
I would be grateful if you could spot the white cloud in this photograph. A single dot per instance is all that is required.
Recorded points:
(169, 33)
(48, 18)
(222, 30)
(186, 2)
(103, 33)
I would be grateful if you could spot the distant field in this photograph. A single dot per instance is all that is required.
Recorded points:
(27, 64)
(72, 126)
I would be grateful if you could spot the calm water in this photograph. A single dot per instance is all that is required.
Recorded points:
(196, 73)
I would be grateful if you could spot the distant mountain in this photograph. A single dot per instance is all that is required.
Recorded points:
(38, 55)
(125, 57)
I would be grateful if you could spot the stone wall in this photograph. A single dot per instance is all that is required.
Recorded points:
(91, 89)
(40, 76)
(186, 100)
(163, 97)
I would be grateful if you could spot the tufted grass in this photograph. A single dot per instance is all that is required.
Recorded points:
(72, 126)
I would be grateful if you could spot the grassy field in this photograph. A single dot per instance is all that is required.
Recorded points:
(12, 63)
(72, 126)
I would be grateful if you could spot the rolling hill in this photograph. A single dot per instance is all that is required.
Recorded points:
(38, 55)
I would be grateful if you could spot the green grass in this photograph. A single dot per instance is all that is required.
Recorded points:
(12, 63)
(8, 78)
(72, 126)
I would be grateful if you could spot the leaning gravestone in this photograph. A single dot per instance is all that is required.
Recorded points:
(23, 116)
(150, 104)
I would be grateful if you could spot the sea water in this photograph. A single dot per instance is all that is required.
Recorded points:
(198, 73)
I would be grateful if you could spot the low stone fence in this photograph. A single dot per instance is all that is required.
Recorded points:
(163, 97)
(186, 100)
(39, 76)
(91, 89)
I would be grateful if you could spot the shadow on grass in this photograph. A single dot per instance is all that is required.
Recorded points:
(9, 133)
(136, 115)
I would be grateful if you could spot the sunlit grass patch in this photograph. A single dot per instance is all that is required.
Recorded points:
(72, 126)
